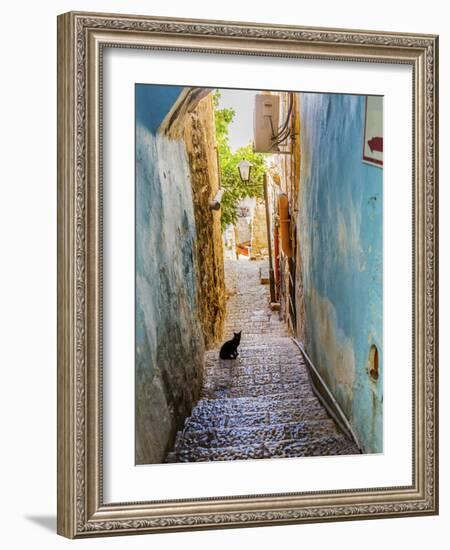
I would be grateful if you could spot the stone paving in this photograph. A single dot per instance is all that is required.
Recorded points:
(261, 404)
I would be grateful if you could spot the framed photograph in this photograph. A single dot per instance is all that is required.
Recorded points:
(247, 274)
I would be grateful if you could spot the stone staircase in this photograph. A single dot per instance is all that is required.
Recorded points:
(260, 405)
(258, 427)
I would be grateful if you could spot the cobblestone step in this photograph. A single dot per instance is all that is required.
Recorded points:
(328, 445)
(238, 405)
(268, 434)
(250, 375)
(252, 419)
(252, 412)
(255, 419)
(287, 372)
(257, 390)
(283, 354)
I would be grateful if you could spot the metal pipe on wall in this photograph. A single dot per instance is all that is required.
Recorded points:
(285, 224)
(269, 242)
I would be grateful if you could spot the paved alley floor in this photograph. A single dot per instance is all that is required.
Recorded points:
(261, 404)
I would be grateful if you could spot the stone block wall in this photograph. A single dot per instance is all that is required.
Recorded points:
(200, 140)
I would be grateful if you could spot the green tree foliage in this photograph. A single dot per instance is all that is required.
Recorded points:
(234, 188)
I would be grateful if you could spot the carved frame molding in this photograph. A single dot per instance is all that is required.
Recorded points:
(81, 39)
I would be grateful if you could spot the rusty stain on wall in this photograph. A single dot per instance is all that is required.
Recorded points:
(332, 349)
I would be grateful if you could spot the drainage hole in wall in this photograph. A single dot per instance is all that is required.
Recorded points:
(373, 363)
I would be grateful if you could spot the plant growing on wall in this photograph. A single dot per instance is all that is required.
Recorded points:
(235, 189)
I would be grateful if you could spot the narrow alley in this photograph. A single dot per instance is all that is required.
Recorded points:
(229, 182)
(260, 405)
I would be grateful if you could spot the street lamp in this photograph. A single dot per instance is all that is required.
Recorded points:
(244, 168)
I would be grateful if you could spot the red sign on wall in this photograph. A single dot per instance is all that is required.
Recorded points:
(373, 131)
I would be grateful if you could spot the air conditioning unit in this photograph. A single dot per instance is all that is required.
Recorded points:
(265, 122)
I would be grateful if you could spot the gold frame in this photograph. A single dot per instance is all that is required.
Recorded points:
(81, 39)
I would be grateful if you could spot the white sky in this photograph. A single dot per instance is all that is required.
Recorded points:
(241, 129)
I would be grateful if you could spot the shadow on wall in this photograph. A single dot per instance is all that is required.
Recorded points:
(46, 522)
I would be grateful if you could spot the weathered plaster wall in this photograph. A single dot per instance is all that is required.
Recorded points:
(340, 238)
(170, 334)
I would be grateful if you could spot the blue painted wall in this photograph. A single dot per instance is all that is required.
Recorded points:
(340, 237)
(152, 104)
(169, 341)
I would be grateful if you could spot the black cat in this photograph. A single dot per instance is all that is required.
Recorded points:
(229, 349)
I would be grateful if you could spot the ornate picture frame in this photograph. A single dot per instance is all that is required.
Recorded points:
(82, 38)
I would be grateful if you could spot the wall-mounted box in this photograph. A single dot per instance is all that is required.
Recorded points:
(265, 122)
